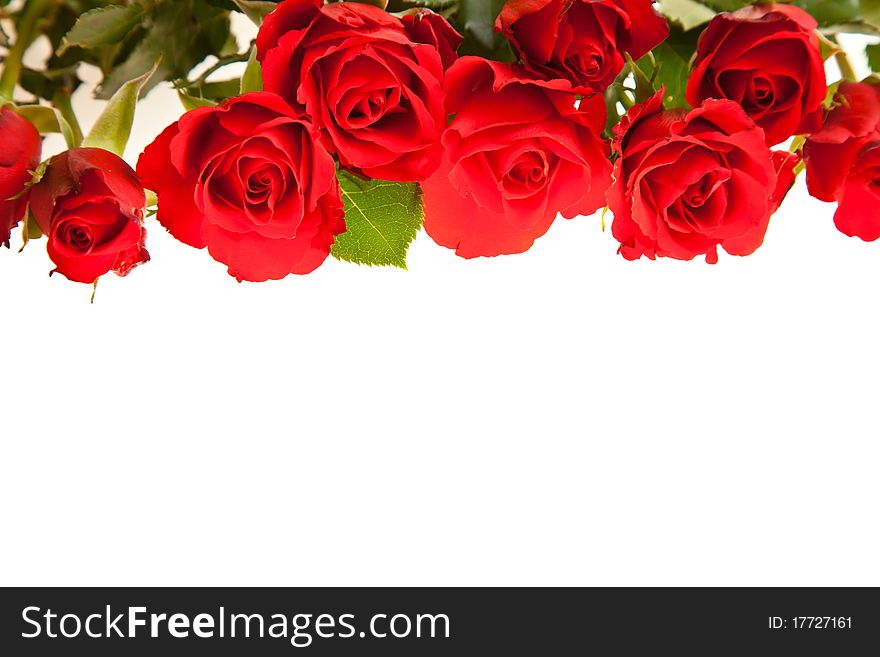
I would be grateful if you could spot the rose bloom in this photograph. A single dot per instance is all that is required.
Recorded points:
(582, 41)
(249, 180)
(90, 205)
(426, 26)
(767, 59)
(19, 156)
(687, 182)
(843, 160)
(357, 74)
(517, 153)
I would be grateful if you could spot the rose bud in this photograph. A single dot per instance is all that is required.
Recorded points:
(767, 59)
(250, 181)
(582, 41)
(687, 182)
(19, 157)
(90, 205)
(426, 26)
(843, 160)
(517, 153)
(353, 70)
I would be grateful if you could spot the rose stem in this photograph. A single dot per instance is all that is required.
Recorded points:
(33, 11)
(847, 72)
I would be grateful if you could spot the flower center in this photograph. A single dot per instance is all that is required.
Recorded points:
(529, 170)
(762, 91)
(371, 107)
(587, 64)
(77, 237)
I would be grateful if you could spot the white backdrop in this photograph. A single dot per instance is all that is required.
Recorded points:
(560, 417)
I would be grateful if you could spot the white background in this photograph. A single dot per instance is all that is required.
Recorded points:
(561, 417)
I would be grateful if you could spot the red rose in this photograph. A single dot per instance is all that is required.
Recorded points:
(582, 41)
(426, 26)
(688, 182)
(843, 160)
(90, 204)
(374, 93)
(517, 153)
(767, 59)
(19, 156)
(249, 180)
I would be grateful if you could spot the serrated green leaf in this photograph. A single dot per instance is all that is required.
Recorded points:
(382, 220)
(184, 32)
(103, 26)
(252, 80)
(113, 128)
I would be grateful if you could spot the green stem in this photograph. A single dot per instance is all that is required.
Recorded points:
(224, 61)
(61, 101)
(625, 98)
(847, 72)
(26, 33)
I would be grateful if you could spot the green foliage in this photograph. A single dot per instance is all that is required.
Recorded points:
(256, 10)
(104, 26)
(190, 102)
(687, 14)
(113, 127)
(476, 20)
(382, 219)
(870, 11)
(873, 53)
(48, 120)
(669, 65)
(183, 32)
(252, 80)
(123, 38)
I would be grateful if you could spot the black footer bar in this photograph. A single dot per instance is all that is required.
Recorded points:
(448, 621)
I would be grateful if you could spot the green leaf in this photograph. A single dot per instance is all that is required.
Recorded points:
(382, 219)
(256, 10)
(103, 26)
(870, 11)
(726, 5)
(183, 32)
(216, 91)
(643, 78)
(252, 80)
(30, 230)
(48, 120)
(113, 127)
(687, 13)
(832, 12)
(671, 65)
(477, 17)
(192, 102)
(873, 53)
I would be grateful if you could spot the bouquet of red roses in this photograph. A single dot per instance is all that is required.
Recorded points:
(355, 124)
